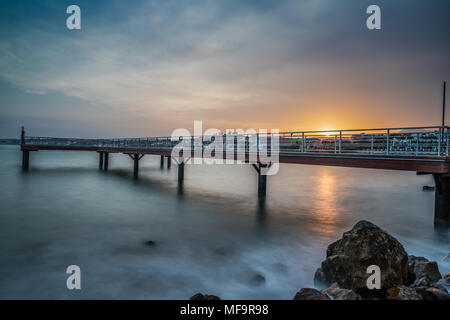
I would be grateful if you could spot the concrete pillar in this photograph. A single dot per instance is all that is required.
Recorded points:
(100, 162)
(162, 162)
(169, 162)
(136, 165)
(106, 161)
(25, 159)
(181, 171)
(442, 200)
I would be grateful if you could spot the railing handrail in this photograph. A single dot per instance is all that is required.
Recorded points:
(432, 140)
(250, 134)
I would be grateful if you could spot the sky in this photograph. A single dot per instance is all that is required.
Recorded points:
(144, 68)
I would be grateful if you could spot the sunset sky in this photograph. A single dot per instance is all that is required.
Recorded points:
(143, 68)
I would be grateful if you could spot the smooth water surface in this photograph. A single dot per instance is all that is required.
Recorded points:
(211, 235)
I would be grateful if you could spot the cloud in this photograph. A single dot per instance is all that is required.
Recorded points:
(230, 63)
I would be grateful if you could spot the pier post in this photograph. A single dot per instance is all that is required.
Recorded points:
(100, 162)
(136, 165)
(162, 162)
(181, 171)
(25, 159)
(106, 161)
(22, 136)
(262, 184)
(262, 179)
(169, 162)
(442, 200)
(25, 153)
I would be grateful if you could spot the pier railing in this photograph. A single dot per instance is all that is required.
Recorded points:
(432, 141)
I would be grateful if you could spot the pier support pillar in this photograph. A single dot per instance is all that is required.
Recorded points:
(262, 179)
(25, 159)
(106, 161)
(181, 171)
(162, 162)
(169, 162)
(136, 157)
(100, 162)
(25, 153)
(262, 185)
(442, 200)
(136, 166)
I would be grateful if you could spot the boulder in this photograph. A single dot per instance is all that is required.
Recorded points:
(425, 272)
(434, 294)
(422, 282)
(403, 293)
(336, 293)
(310, 294)
(200, 296)
(444, 282)
(364, 245)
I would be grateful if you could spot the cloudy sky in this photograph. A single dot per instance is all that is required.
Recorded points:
(146, 67)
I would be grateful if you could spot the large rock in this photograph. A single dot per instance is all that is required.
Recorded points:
(310, 294)
(425, 272)
(336, 293)
(200, 296)
(403, 293)
(348, 258)
(434, 294)
(444, 282)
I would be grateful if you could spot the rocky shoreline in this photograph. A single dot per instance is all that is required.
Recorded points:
(343, 274)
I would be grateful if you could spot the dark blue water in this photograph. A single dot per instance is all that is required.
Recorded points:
(211, 236)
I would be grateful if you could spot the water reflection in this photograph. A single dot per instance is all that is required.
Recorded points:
(325, 204)
(261, 210)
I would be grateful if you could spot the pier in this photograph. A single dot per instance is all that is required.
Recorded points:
(424, 150)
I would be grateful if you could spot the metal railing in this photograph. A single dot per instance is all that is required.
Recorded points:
(432, 141)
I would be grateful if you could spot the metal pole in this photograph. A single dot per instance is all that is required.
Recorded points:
(106, 161)
(303, 142)
(446, 144)
(100, 163)
(443, 103)
(387, 142)
(340, 141)
(371, 144)
(335, 147)
(22, 136)
(440, 139)
(136, 165)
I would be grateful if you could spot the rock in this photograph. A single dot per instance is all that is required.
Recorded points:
(310, 294)
(444, 282)
(422, 282)
(337, 269)
(348, 258)
(200, 296)
(423, 270)
(336, 293)
(150, 243)
(428, 188)
(434, 294)
(258, 279)
(403, 293)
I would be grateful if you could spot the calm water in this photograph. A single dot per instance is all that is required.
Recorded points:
(211, 236)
